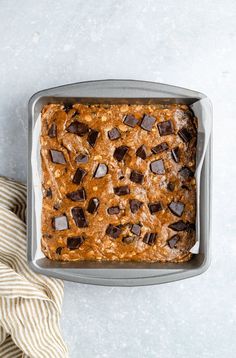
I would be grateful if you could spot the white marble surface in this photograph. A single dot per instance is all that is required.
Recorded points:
(186, 43)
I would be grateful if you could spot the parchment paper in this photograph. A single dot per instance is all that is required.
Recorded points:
(201, 110)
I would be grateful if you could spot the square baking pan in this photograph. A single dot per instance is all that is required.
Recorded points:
(122, 273)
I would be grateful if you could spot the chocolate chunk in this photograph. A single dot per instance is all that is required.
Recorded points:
(114, 134)
(121, 190)
(179, 226)
(165, 128)
(75, 242)
(113, 231)
(81, 158)
(60, 223)
(171, 186)
(128, 239)
(135, 205)
(136, 229)
(92, 137)
(78, 128)
(120, 152)
(173, 241)
(48, 193)
(57, 156)
(130, 121)
(78, 195)
(150, 238)
(93, 205)
(160, 148)
(79, 217)
(185, 135)
(100, 171)
(157, 167)
(191, 227)
(58, 250)
(147, 123)
(52, 133)
(79, 175)
(175, 154)
(176, 207)
(113, 210)
(155, 207)
(67, 107)
(136, 177)
(185, 172)
(141, 152)
(184, 186)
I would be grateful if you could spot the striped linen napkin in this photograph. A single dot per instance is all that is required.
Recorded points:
(30, 304)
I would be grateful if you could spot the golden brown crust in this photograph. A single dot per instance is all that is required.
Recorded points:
(57, 183)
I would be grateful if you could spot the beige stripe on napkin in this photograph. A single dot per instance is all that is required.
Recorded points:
(30, 304)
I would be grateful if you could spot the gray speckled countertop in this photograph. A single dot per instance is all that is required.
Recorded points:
(186, 43)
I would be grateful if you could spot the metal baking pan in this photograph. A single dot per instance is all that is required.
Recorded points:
(121, 273)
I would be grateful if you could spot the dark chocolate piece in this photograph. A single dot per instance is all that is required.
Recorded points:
(160, 148)
(185, 172)
(171, 186)
(114, 134)
(57, 156)
(100, 171)
(79, 217)
(79, 175)
(165, 128)
(179, 226)
(58, 250)
(60, 223)
(184, 186)
(81, 158)
(75, 242)
(130, 121)
(150, 238)
(113, 231)
(136, 229)
(120, 152)
(175, 154)
(173, 241)
(121, 190)
(128, 239)
(157, 167)
(135, 205)
(185, 135)
(78, 128)
(141, 152)
(52, 133)
(147, 123)
(93, 205)
(113, 210)
(176, 207)
(92, 137)
(78, 195)
(48, 193)
(155, 207)
(136, 177)
(191, 226)
(67, 107)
